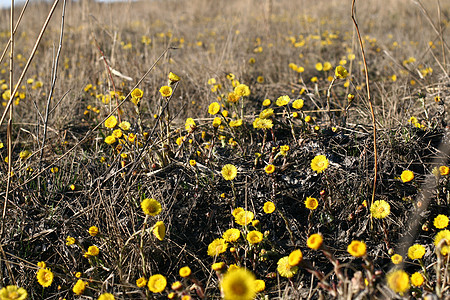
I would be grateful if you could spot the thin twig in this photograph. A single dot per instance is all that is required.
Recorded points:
(375, 168)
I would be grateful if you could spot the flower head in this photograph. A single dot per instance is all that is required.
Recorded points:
(106, 296)
(166, 91)
(259, 123)
(416, 251)
(407, 176)
(44, 277)
(340, 72)
(124, 125)
(157, 283)
(357, 248)
(213, 108)
(13, 292)
(417, 279)
(173, 78)
(231, 235)
(319, 163)
(190, 125)
(24, 154)
(311, 203)
(93, 230)
(242, 90)
(297, 104)
(398, 281)
(315, 241)
(235, 123)
(441, 221)
(269, 169)
(444, 170)
(295, 257)
(79, 287)
(217, 247)
(70, 241)
(283, 100)
(229, 172)
(110, 139)
(244, 217)
(267, 113)
(260, 285)
(238, 284)
(285, 269)
(233, 97)
(111, 122)
(254, 237)
(141, 282)
(269, 207)
(380, 209)
(396, 259)
(136, 95)
(443, 234)
(151, 206)
(185, 271)
(159, 230)
(266, 102)
(41, 264)
(92, 251)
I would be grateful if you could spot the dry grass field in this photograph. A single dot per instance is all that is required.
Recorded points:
(225, 150)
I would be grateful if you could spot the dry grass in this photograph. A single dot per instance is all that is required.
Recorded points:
(97, 186)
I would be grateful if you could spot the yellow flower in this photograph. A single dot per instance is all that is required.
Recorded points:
(190, 125)
(151, 206)
(110, 139)
(216, 122)
(269, 169)
(117, 133)
(141, 282)
(260, 79)
(173, 78)
(217, 247)
(111, 122)
(311, 203)
(238, 284)
(396, 259)
(416, 251)
(340, 72)
(70, 241)
(13, 292)
(444, 170)
(295, 257)
(357, 248)
(236, 211)
(380, 209)
(159, 230)
(92, 251)
(407, 176)
(213, 108)
(231, 235)
(41, 264)
(267, 113)
(166, 91)
(283, 100)
(319, 66)
(106, 296)
(124, 125)
(157, 283)
(319, 163)
(242, 90)
(266, 102)
(233, 97)
(327, 66)
(229, 172)
(398, 281)
(254, 237)
(260, 285)
(441, 221)
(185, 271)
(417, 279)
(285, 269)
(443, 234)
(235, 123)
(315, 241)
(218, 266)
(136, 95)
(192, 162)
(269, 207)
(177, 285)
(44, 277)
(25, 154)
(93, 230)
(297, 104)
(78, 274)
(79, 287)
(244, 217)
(259, 123)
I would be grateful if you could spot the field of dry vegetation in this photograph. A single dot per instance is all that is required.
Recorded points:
(225, 150)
